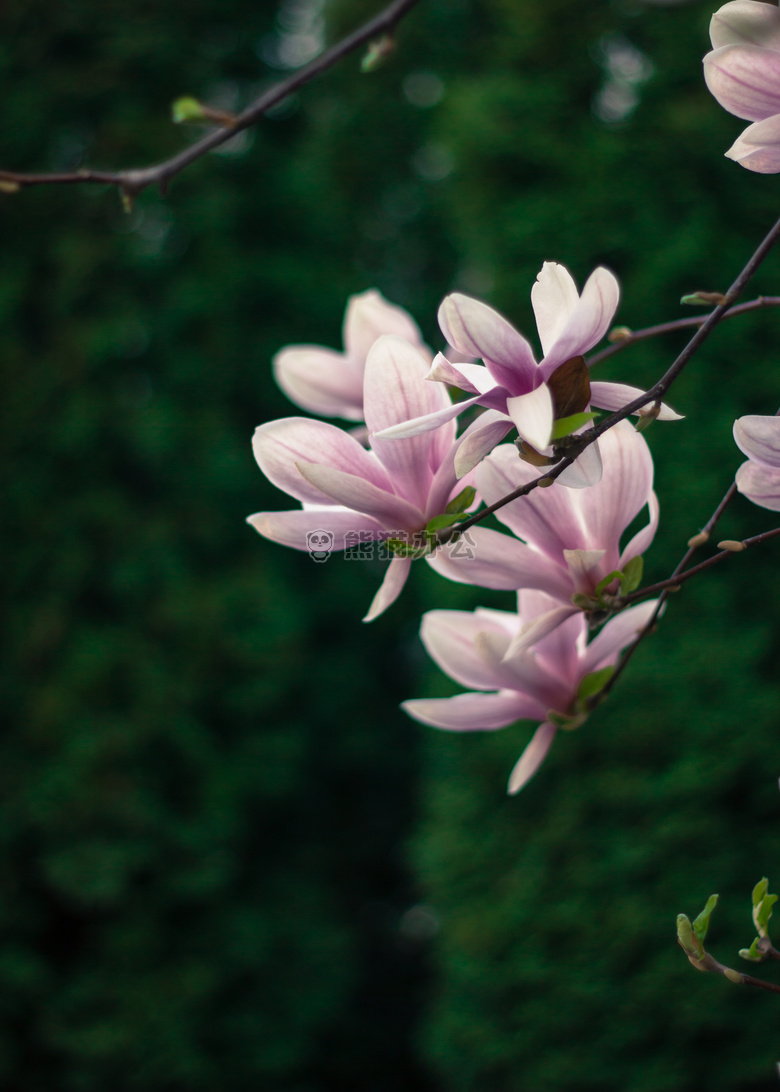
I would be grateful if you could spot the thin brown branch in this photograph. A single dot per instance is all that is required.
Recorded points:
(131, 181)
(632, 336)
(674, 582)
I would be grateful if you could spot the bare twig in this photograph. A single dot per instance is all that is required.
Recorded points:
(131, 181)
(675, 581)
(632, 336)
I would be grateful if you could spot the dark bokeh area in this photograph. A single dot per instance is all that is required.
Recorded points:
(227, 859)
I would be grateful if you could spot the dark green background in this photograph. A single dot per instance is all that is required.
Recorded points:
(214, 819)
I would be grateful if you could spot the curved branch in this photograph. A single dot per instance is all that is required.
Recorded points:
(132, 181)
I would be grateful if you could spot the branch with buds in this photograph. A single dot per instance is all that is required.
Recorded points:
(375, 34)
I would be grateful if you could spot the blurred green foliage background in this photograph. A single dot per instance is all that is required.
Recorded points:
(227, 859)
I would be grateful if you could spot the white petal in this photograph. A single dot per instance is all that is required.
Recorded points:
(541, 626)
(554, 298)
(479, 439)
(616, 634)
(586, 469)
(390, 588)
(760, 484)
(291, 528)
(280, 444)
(449, 636)
(475, 329)
(320, 381)
(746, 21)
(758, 148)
(613, 396)
(470, 712)
(744, 80)
(531, 758)
(589, 322)
(759, 438)
(533, 416)
(490, 559)
(368, 316)
(349, 490)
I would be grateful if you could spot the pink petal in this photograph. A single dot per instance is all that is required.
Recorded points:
(625, 488)
(533, 416)
(470, 712)
(449, 636)
(546, 518)
(390, 588)
(475, 329)
(759, 438)
(586, 469)
(554, 298)
(746, 21)
(589, 322)
(369, 316)
(585, 568)
(354, 492)
(642, 539)
(760, 484)
(619, 632)
(279, 445)
(396, 391)
(320, 381)
(472, 378)
(491, 560)
(429, 421)
(531, 758)
(745, 79)
(479, 439)
(291, 528)
(542, 626)
(613, 396)
(758, 148)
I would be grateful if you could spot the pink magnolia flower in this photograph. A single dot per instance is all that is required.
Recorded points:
(329, 383)
(542, 684)
(567, 540)
(530, 395)
(743, 73)
(358, 495)
(759, 478)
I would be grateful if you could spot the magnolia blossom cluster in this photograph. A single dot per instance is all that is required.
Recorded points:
(410, 473)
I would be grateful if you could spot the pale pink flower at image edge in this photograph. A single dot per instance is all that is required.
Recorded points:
(474, 648)
(759, 478)
(330, 383)
(743, 73)
(394, 486)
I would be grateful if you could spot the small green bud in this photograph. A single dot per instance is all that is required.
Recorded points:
(187, 109)
(752, 953)
(760, 890)
(702, 923)
(463, 500)
(602, 584)
(377, 53)
(632, 575)
(696, 299)
(593, 684)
